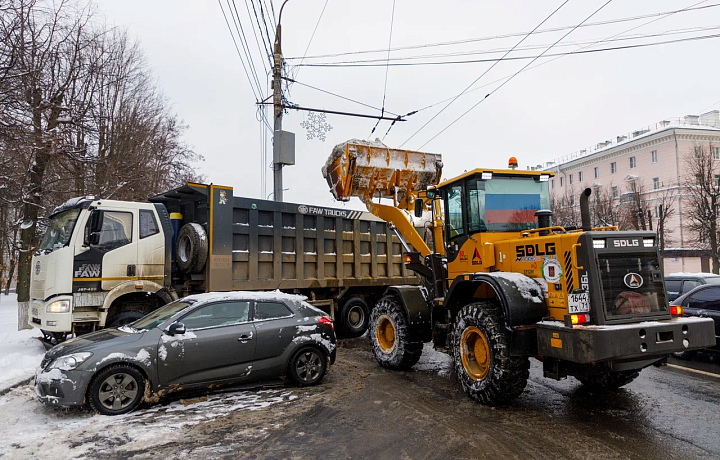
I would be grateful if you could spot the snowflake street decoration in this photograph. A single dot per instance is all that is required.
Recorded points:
(316, 126)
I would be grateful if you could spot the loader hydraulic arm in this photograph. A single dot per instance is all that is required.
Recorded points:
(369, 170)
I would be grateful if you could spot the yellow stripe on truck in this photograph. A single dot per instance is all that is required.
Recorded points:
(121, 278)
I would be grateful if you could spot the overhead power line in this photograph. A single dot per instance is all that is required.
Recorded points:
(245, 45)
(510, 35)
(311, 37)
(252, 86)
(339, 96)
(387, 68)
(265, 45)
(516, 73)
(486, 71)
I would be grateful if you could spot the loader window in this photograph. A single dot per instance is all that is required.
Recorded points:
(454, 212)
(505, 203)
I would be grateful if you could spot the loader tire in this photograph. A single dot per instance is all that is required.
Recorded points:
(389, 335)
(191, 248)
(483, 365)
(608, 381)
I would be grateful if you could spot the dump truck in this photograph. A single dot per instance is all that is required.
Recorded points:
(502, 284)
(108, 263)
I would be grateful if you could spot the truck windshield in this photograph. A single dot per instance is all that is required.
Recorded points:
(505, 204)
(60, 230)
(160, 315)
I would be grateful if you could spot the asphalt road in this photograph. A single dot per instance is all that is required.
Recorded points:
(364, 411)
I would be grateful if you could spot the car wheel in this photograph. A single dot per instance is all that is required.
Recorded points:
(307, 367)
(124, 318)
(116, 390)
(685, 355)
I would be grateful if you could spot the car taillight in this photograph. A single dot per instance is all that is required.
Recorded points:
(676, 310)
(326, 320)
(580, 319)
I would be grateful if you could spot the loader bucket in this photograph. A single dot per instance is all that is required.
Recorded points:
(370, 169)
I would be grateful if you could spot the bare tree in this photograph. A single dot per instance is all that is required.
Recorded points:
(604, 207)
(664, 202)
(566, 212)
(702, 189)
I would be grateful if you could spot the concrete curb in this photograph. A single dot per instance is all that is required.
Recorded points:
(25, 381)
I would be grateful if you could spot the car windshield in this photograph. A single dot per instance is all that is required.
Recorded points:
(60, 230)
(160, 315)
(713, 280)
(505, 204)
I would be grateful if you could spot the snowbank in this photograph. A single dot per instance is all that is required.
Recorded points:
(20, 351)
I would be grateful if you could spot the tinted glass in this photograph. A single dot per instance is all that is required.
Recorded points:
(705, 299)
(60, 230)
(116, 230)
(160, 315)
(620, 299)
(148, 225)
(217, 314)
(270, 310)
(712, 280)
(673, 286)
(689, 285)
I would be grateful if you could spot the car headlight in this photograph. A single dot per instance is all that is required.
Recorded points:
(59, 306)
(69, 362)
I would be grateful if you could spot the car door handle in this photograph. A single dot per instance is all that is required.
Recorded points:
(245, 337)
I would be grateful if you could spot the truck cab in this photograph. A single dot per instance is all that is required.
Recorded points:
(96, 255)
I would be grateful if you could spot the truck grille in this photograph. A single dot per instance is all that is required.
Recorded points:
(628, 287)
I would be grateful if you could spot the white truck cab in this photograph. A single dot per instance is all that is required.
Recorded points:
(100, 262)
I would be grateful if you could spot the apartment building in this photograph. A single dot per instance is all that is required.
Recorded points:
(654, 157)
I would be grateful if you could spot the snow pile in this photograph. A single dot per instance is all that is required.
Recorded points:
(29, 429)
(21, 351)
(528, 288)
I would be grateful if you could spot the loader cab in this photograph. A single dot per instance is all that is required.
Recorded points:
(497, 203)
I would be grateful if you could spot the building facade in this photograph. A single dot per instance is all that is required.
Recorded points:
(646, 169)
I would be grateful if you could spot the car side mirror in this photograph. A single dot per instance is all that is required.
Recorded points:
(418, 207)
(176, 329)
(96, 221)
(93, 239)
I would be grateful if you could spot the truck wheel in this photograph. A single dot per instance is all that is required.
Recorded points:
(483, 364)
(389, 335)
(124, 318)
(191, 248)
(609, 381)
(116, 390)
(354, 317)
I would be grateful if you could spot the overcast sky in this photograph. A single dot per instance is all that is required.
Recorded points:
(558, 108)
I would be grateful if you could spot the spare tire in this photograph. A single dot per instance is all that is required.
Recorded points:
(191, 248)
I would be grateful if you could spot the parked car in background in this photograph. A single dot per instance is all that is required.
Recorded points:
(678, 284)
(200, 340)
(703, 301)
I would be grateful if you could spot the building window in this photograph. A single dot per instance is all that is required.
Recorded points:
(656, 183)
(561, 182)
(633, 163)
(597, 172)
(657, 212)
(717, 180)
(716, 153)
(698, 179)
(614, 191)
(552, 183)
(613, 167)
(571, 179)
(580, 176)
(572, 200)
(653, 156)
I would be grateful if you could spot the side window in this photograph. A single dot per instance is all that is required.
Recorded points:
(673, 286)
(271, 310)
(689, 285)
(148, 224)
(454, 211)
(116, 230)
(704, 298)
(476, 206)
(217, 314)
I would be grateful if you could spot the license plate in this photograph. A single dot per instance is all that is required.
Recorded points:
(579, 303)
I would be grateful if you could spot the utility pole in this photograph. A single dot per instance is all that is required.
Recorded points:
(283, 142)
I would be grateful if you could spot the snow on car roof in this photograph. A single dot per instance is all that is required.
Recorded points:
(246, 295)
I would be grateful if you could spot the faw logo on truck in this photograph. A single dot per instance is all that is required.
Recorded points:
(88, 271)
(327, 212)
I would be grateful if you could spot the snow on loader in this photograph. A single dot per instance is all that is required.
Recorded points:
(503, 284)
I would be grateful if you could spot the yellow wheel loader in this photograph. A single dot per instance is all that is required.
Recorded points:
(502, 284)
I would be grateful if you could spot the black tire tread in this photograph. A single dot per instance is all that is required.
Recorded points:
(508, 375)
(406, 353)
(343, 326)
(111, 322)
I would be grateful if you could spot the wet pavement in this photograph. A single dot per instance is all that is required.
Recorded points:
(364, 411)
